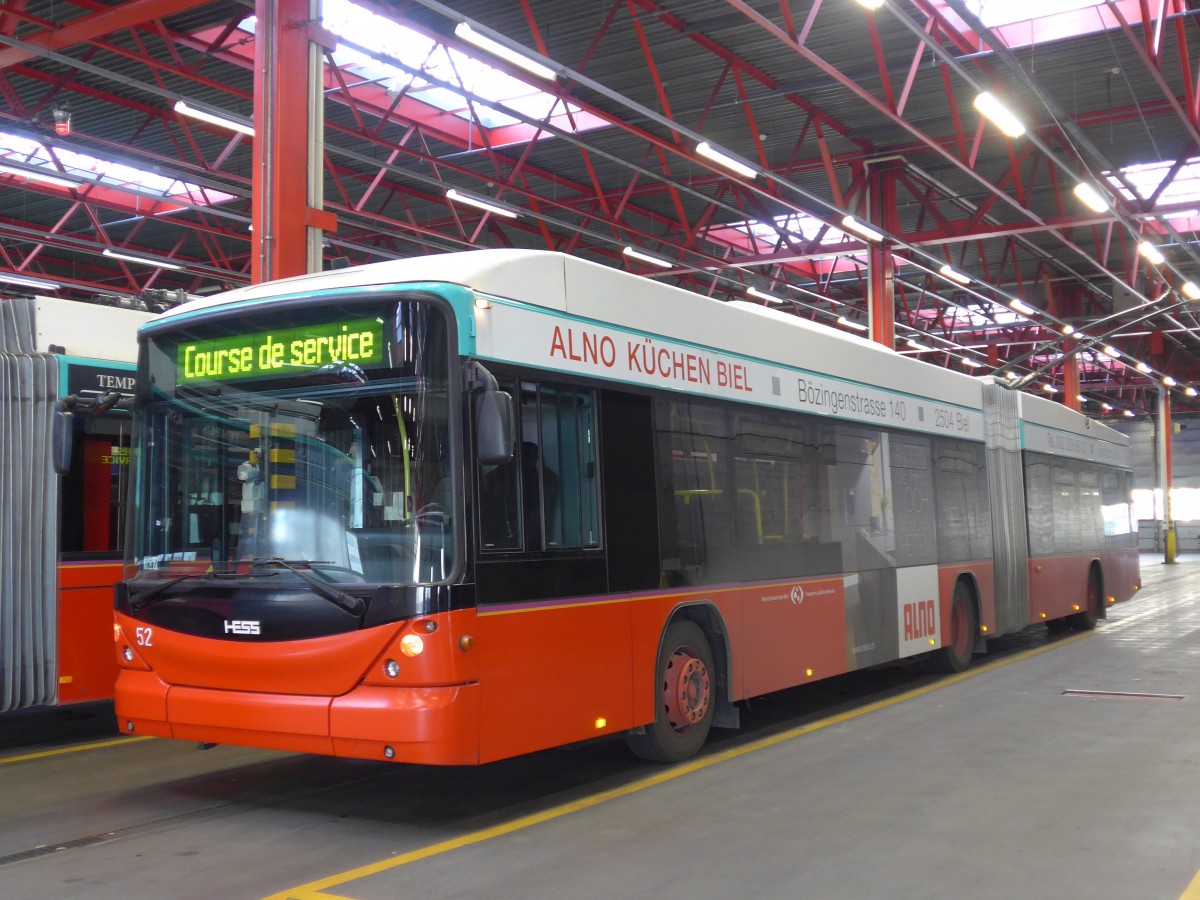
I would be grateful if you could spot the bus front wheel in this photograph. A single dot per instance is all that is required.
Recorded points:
(684, 695)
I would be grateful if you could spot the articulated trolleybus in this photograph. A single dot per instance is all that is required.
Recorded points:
(61, 538)
(457, 508)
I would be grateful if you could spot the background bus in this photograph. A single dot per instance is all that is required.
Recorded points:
(61, 538)
(381, 514)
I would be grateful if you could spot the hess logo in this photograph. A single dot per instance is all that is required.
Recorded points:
(242, 626)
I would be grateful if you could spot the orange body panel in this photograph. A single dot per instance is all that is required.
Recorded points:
(797, 633)
(1058, 584)
(86, 668)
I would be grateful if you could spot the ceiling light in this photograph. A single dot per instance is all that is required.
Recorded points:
(1129, 413)
(1143, 368)
(999, 115)
(1049, 389)
(870, 4)
(1151, 253)
(1022, 307)
(1106, 407)
(970, 363)
(763, 295)
(478, 203)
(184, 109)
(62, 119)
(914, 344)
(1190, 290)
(705, 149)
(852, 224)
(1168, 381)
(144, 260)
(954, 275)
(468, 34)
(1011, 375)
(1112, 351)
(1182, 214)
(34, 175)
(1082, 399)
(1091, 198)
(1190, 391)
(1068, 330)
(646, 257)
(28, 281)
(857, 326)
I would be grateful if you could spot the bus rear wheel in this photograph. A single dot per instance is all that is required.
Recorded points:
(685, 697)
(964, 626)
(1087, 619)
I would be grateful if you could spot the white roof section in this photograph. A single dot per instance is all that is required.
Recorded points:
(585, 289)
(87, 329)
(1048, 414)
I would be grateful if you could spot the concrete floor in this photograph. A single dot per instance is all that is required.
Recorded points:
(889, 784)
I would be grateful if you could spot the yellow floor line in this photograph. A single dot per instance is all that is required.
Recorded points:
(1193, 890)
(311, 890)
(75, 748)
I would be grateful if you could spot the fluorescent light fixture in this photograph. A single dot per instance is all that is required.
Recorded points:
(34, 175)
(763, 295)
(1090, 197)
(852, 224)
(468, 34)
(1022, 307)
(1068, 330)
(1168, 381)
(857, 326)
(1190, 391)
(1110, 350)
(646, 257)
(1182, 214)
(1049, 389)
(1143, 368)
(999, 114)
(1082, 399)
(870, 4)
(1129, 413)
(1151, 253)
(1190, 290)
(184, 109)
(144, 260)
(914, 344)
(1011, 375)
(970, 363)
(954, 275)
(29, 281)
(705, 149)
(478, 203)
(1106, 407)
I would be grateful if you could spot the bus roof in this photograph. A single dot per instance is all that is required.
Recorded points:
(590, 291)
(72, 328)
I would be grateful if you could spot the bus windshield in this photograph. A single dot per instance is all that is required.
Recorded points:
(340, 467)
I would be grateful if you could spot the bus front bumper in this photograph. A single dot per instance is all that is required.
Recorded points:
(436, 725)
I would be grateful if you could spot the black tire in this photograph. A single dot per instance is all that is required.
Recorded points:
(685, 695)
(1086, 619)
(964, 628)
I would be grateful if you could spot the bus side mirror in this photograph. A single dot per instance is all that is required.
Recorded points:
(494, 427)
(62, 437)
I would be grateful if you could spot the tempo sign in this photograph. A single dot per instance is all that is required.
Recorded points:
(286, 351)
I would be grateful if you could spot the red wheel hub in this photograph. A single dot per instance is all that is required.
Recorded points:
(687, 690)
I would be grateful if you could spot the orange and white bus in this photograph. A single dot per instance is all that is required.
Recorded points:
(462, 507)
(61, 537)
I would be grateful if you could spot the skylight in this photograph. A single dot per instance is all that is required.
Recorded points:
(24, 155)
(1179, 200)
(418, 53)
(1024, 23)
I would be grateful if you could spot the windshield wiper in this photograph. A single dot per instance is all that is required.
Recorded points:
(141, 600)
(348, 602)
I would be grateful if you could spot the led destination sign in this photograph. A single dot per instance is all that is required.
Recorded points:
(282, 352)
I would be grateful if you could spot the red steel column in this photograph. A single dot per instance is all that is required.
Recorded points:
(881, 267)
(1071, 382)
(1166, 476)
(288, 80)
